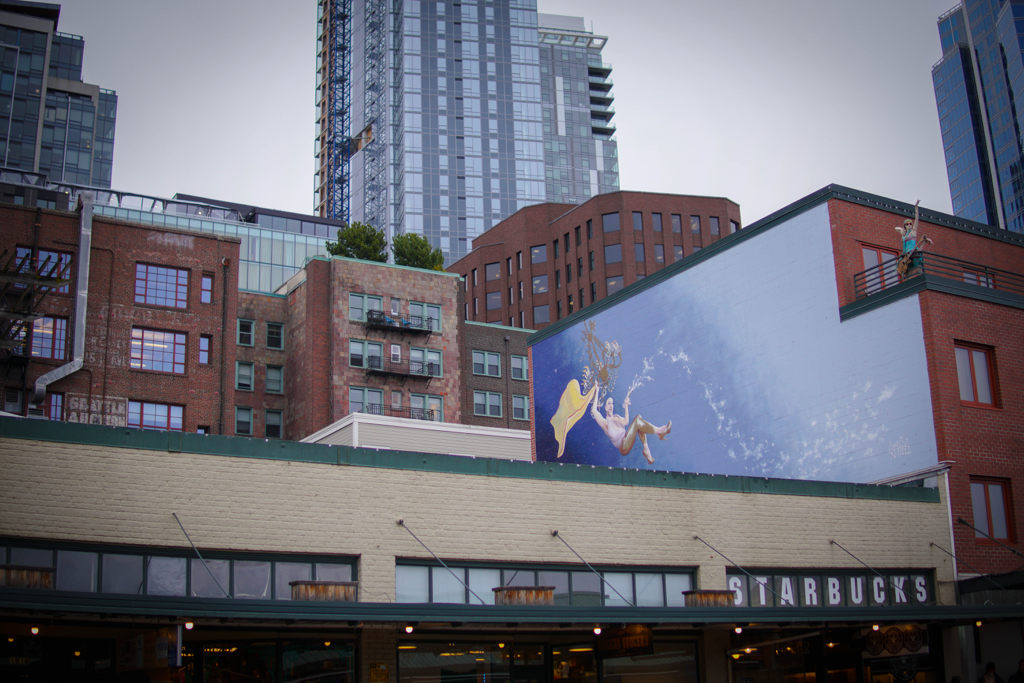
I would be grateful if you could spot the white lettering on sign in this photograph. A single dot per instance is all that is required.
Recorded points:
(856, 590)
(762, 589)
(810, 592)
(834, 596)
(787, 592)
(921, 585)
(736, 586)
(898, 594)
(878, 586)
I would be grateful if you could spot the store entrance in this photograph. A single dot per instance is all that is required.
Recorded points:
(529, 664)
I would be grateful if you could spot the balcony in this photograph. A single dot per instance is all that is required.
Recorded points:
(886, 275)
(410, 413)
(601, 127)
(601, 111)
(599, 83)
(379, 320)
(376, 365)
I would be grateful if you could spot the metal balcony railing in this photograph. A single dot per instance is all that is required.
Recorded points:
(411, 413)
(410, 368)
(407, 323)
(886, 274)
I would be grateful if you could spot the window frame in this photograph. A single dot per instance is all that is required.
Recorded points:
(538, 254)
(617, 256)
(884, 271)
(58, 338)
(178, 292)
(638, 220)
(426, 312)
(279, 425)
(608, 282)
(695, 226)
(142, 411)
(251, 334)
(426, 399)
(141, 359)
(251, 369)
(1004, 484)
(714, 225)
(280, 336)
(425, 359)
(485, 363)
(365, 355)
(54, 403)
(492, 271)
(240, 410)
(207, 353)
(365, 391)
(206, 289)
(492, 301)
(525, 367)
(610, 225)
(364, 301)
(526, 407)
(659, 254)
(488, 395)
(989, 354)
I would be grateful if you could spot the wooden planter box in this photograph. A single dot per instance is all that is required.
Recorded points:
(15, 576)
(710, 598)
(524, 595)
(325, 591)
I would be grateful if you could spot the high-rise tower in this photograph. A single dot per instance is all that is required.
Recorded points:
(50, 121)
(979, 90)
(431, 114)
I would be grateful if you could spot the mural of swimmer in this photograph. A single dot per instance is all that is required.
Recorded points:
(601, 373)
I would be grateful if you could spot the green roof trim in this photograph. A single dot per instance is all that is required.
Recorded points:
(771, 220)
(48, 601)
(244, 447)
(270, 294)
(521, 330)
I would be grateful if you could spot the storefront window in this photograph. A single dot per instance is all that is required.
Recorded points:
(447, 662)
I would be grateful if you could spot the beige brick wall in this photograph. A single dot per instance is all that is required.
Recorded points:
(121, 495)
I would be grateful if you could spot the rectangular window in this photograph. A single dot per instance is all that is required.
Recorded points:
(520, 290)
(243, 376)
(883, 277)
(638, 220)
(275, 379)
(610, 222)
(659, 253)
(205, 345)
(990, 502)
(395, 305)
(49, 337)
(156, 416)
(733, 227)
(158, 351)
(159, 286)
(569, 302)
(522, 318)
(206, 290)
(476, 306)
(493, 301)
(426, 362)
(539, 254)
(273, 424)
(519, 260)
(613, 253)
(486, 404)
(508, 261)
(359, 304)
(396, 399)
(487, 363)
(427, 316)
(46, 263)
(714, 225)
(511, 296)
(656, 221)
(426, 407)
(541, 315)
(365, 400)
(474, 277)
(579, 241)
(638, 252)
(520, 408)
(558, 279)
(53, 408)
(540, 284)
(363, 354)
(492, 271)
(677, 252)
(613, 284)
(695, 225)
(582, 300)
(975, 375)
(558, 310)
(275, 336)
(568, 274)
(554, 246)
(593, 292)
(590, 229)
(579, 267)
(245, 332)
(677, 223)
(396, 353)
(565, 238)
(243, 421)
(520, 367)
(591, 260)
(981, 278)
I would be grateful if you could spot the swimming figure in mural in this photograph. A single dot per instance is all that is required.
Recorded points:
(911, 259)
(621, 431)
(600, 374)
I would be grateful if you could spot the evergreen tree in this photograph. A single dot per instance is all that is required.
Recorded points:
(414, 250)
(360, 241)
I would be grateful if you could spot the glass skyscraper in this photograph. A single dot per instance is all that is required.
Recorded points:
(50, 121)
(979, 90)
(431, 115)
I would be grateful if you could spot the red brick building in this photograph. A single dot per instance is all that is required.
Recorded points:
(546, 261)
(136, 335)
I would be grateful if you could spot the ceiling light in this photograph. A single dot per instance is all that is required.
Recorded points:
(327, 643)
(408, 629)
(35, 630)
(874, 627)
(189, 625)
(738, 629)
(978, 623)
(735, 655)
(597, 630)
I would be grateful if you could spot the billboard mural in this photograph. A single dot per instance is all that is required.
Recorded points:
(741, 366)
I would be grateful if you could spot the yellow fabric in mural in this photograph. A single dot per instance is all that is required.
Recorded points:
(571, 407)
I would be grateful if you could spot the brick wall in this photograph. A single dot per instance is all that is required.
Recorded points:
(482, 337)
(263, 309)
(99, 393)
(545, 223)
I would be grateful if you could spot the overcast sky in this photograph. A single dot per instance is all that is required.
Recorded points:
(756, 101)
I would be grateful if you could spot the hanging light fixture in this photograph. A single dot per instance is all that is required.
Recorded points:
(408, 629)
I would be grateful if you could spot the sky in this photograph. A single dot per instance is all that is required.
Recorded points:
(759, 102)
